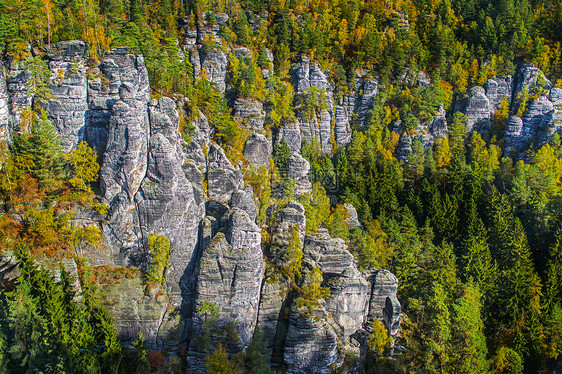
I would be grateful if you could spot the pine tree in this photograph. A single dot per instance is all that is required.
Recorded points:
(468, 331)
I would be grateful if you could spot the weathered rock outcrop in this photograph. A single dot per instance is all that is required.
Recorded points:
(384, 305)
(498, 88)
(291, 217)
(257, 150)
(291, 132)
(214, 64)
(249, 112)
(306, 74)
(342, 130)
(222, 178)
(5, 128)
(513, 136)
(476, 107)
(68, 86)
(311, 343)
(330, 254)
(529, 76)
(229, 273)
(124, 77)
(124, 164)
(438, 127)
(166, 201)
(298, 169)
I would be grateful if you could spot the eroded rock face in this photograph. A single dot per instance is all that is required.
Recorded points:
(223, 179)
(528, 75)
(68, 86)
(123, 169)
(214, 64)
(5, 128)
(250, 112)
(125, 78)
(330, 254)
(497, 89)
(384, 305)
(513, 136)
(342, 130)
(166, 201)
(291, 132)
(257, 150)
(306, 75)
(438, 127)
(274, 293)
(291, 217)
(352, 220)
(311, 344)
(244, 200)
(19, 98)
(298, 169)
(348, 301)
(230, 273)
(476, 107)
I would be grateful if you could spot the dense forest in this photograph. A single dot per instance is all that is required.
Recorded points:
(472, 231)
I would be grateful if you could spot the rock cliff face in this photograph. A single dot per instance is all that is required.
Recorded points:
(154, 182)
(68, 86)
(5, 128)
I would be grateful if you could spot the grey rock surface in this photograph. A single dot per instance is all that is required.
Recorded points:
(124, 77)
(229, 274)
(513, 136)
(166, 201)
(291, 217)
(69, 87)
(329, 254)
(244, 200)
(498, 88)
(348, 302)
(274, 293)
(257, 150)
(476, 107)
(311, 344)
(214, 64)
(438, 127)
(5, 128)
(249, 112)
(222, 178)
(291, 132)
(342, 130)
(527, 75)
(353, 219)
(383, 304)
(298, 169)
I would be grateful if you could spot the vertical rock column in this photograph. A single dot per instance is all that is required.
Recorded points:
(4, 113)
(125, 159)
(68, 86)
(166, 201)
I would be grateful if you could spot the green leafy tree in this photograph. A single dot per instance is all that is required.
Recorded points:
(159, 253)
